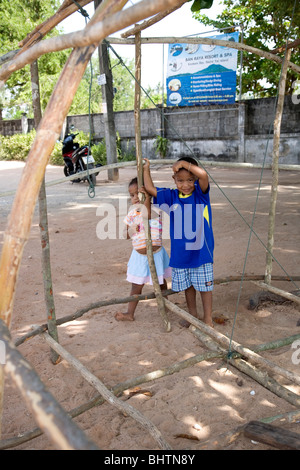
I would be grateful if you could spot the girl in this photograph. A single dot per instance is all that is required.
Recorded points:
(138, 271)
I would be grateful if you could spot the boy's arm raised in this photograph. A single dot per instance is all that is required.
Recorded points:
(198, 172)
(148, 183)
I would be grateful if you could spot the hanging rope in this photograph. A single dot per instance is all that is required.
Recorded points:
(229, 355)
(230, 352)
(250, 226)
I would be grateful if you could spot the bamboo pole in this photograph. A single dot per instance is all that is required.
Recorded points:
(49, 415)
(282, 293)
(256, 374)
(92, 33)
(160, 16)
(108, 395)
(151, 295)
(47, 133)
(19, 222)
(44, 233)
(274, 188)
(208, 41)
(117, 390)
(226, 342)
(66, 9)
(138, 142)
(289, 417)
(137, 109)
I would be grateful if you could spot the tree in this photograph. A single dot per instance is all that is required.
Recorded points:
(17, 19)
(266, 25)
(123, 84)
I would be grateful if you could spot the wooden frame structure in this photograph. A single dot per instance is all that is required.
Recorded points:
(50, 417)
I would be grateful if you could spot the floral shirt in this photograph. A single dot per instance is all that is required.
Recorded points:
(134, 219)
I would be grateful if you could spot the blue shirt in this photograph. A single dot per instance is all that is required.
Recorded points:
(191, 233)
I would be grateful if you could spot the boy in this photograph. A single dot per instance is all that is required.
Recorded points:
(191, 234)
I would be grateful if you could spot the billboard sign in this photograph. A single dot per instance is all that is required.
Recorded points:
(201, 74)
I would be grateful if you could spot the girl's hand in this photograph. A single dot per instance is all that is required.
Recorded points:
(142, 189)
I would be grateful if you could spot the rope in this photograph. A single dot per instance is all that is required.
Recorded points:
(229, 355)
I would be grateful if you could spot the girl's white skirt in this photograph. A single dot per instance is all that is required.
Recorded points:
(138, 271)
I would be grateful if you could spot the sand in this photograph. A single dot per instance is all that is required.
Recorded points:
(197, 403)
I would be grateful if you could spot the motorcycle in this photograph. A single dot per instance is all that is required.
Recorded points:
(77, 159)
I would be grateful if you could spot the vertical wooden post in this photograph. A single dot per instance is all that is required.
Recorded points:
(138, 142)
(137, 109)
(46, 264)
(276, 143)
(107, 105)
(20, 218)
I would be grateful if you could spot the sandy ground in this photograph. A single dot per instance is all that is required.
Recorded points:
(190, 406)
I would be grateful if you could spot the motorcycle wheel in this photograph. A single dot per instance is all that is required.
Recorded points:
(68, 169)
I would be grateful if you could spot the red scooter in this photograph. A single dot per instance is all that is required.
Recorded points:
(77, 159)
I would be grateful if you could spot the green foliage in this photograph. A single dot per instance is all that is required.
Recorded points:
(17, 147)
(266, 26)
(56, 157)
(161, 146)
(17, 20)
(123, 84)
(99, 152)
(201, 4)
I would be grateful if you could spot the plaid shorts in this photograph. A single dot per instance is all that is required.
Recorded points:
(201, 278)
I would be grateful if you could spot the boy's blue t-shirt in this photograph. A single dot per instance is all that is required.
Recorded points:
(191, 233)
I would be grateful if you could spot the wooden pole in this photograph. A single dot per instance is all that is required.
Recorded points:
(49, 415)
(137, 109)
(107, 92)
(276, 143)
(107, 394)
(92, 33)
(19, 223)
(282, 293)
(138, 143)
(117, 390)
(44, 233)
(155, 19)
(255, 373)
(65, 10)
(226, 342)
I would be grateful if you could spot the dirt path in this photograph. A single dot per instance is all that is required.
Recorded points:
(201, 401)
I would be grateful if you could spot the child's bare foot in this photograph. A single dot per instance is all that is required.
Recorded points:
(123, 316)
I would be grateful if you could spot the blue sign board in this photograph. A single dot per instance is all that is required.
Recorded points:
(201, 74)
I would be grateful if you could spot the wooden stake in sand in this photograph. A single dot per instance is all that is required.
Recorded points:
(276, 143)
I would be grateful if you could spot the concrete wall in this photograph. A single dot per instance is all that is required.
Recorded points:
(242, 132)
